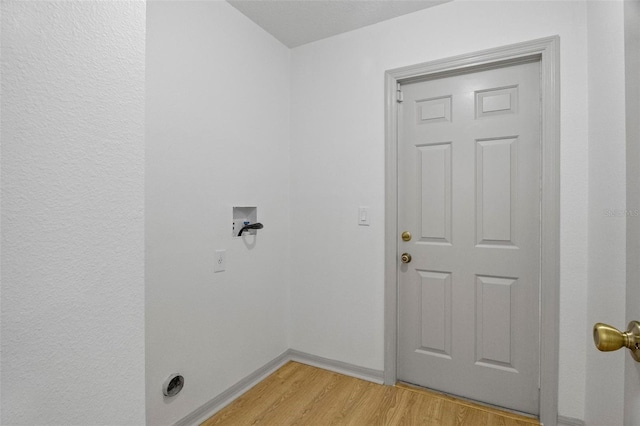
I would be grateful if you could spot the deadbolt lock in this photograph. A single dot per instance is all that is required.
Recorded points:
(405, 258)
(406, 236)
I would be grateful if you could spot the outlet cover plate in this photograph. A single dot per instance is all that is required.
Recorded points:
(220, 261)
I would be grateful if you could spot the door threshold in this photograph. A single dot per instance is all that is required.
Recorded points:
(517, 415)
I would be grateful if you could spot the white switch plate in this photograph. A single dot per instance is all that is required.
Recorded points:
(363, 216)
(220, 261)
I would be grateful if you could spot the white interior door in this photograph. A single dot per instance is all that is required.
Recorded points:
(632, 105)
(469, 193)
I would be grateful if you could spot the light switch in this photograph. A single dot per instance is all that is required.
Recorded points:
(363, 216)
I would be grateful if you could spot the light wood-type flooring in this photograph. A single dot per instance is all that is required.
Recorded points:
(298, 394)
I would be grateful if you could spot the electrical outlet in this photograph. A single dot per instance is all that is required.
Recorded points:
(220, 261)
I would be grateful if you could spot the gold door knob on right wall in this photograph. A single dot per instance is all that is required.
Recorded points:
(608, 338)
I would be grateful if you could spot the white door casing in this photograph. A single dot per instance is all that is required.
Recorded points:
(546, 51)
(468, 192)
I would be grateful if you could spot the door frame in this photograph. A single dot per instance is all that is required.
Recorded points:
(547, 51)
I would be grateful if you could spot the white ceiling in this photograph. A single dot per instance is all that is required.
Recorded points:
(297, 22)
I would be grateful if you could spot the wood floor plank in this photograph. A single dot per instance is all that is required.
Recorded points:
(299, 394)
(292, 405)
(357, 390)
(489, 409)
(331, 407)
(268, 394)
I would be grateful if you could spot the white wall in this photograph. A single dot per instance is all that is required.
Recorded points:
(1, 37)
(217, 136)
(337, 163)
(1, 107)
(72, 212)
(607, 205)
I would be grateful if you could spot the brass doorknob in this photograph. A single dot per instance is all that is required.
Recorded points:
(406, 258)
(406, 236)
(608, 338)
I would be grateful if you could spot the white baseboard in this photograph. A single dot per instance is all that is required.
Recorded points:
(225, 398)
(369, 374)
(569, 421)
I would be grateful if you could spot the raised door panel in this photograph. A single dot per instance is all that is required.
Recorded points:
(435, 313)
(434, 164)
(496, 175)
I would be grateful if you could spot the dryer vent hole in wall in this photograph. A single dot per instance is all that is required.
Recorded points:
(173, 385)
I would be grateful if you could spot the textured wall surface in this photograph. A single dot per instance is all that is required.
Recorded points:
(72, 212)
(217, 99)
(337, 158)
